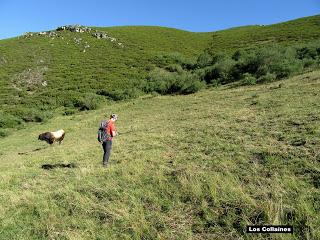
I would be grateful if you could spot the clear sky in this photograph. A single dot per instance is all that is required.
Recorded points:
(19, 16)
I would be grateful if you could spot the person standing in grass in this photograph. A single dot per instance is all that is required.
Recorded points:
(110, 131)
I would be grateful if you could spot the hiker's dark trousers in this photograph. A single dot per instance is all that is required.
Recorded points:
(107, 145)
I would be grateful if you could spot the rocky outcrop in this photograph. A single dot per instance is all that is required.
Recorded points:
(30, 79)
(94, 33)
(76, 29)
(103, 35)
(99, 35)
(50, 34)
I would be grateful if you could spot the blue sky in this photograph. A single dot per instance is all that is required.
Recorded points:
(18, 16)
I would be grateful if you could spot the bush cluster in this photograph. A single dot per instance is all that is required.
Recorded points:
(8, 120)
(88, 102)
(165, 82)
(251, 66)
(25, 114)
(257, 65)
(175, 58)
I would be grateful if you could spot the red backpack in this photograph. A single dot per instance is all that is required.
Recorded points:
(102, 132)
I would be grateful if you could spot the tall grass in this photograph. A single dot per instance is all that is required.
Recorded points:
(199, 166)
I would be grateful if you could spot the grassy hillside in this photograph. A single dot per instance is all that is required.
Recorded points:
(296, 31)
(43, 75)
(201, 166)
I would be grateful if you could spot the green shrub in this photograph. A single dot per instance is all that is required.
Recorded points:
(88, 102)
(30, 113)
(308, 52)
(211, 74)
(174, 68)
(224, 69)
(9, 120)
(3, 133)
(69, 99)
(256, 62)
(173, 58)
(33, 115)
(264, 64)
(165, 82)
(215, 56)
(238, 54)
(249, 79)
(221, 72)
(269, 77)
(204, 60)
(308, 63)
(159, 81)
(286, 68)
(191, 84)
(260, 63)
(201, 73)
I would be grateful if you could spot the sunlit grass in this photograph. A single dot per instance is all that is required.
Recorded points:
(201, 166)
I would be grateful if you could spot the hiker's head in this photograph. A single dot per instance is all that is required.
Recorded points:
(114, 117)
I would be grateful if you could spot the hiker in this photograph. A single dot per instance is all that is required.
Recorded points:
(106, 132)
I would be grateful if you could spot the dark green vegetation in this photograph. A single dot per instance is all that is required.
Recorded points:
(251, 66)
(198, 166)
(259, 65)
(42, 76)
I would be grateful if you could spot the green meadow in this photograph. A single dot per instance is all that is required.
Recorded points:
(198, 166)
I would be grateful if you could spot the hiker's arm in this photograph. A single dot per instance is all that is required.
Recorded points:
(113, 131)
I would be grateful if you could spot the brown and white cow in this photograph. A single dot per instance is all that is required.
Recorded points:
(51, 137)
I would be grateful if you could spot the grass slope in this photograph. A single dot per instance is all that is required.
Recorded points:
(70, 73)
(201, 166)
(296, 31)
(39, 75)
